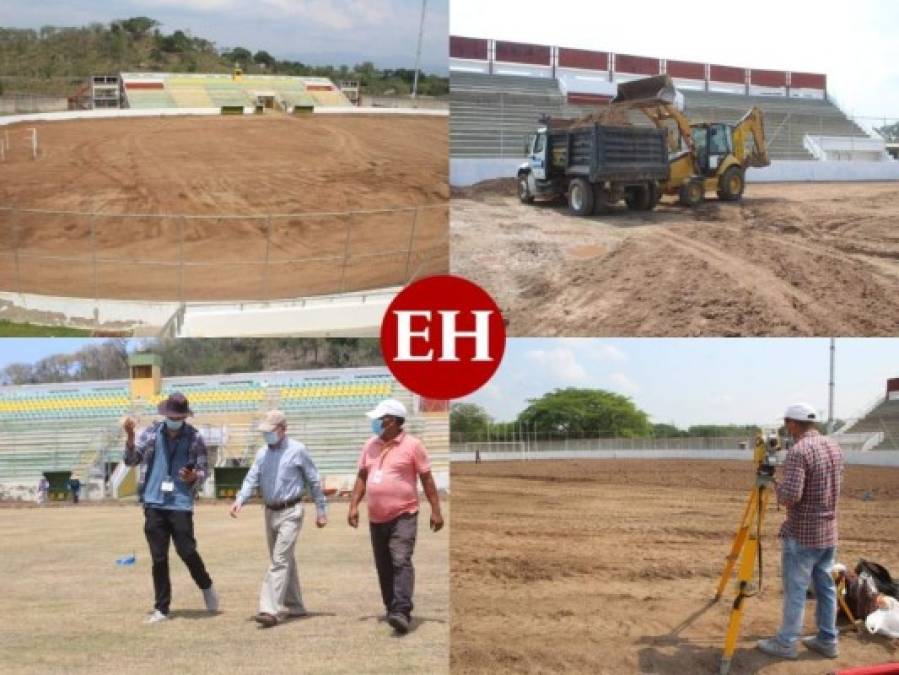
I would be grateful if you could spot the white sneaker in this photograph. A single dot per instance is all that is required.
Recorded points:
(156, 617)
(211, 598)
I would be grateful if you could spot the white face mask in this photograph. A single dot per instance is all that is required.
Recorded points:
(271, 437)
(173, 425)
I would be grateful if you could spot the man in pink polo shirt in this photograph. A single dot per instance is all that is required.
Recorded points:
(390, 463)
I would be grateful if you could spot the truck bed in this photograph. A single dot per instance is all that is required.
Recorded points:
(610, 153)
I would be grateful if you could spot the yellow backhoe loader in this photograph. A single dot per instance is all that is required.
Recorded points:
(703, 157)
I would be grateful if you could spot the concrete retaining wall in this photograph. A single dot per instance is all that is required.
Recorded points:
(168, 112)
(466, 171)
(886, 458)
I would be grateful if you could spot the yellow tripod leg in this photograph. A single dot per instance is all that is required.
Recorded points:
(738, 542)
(748, 557)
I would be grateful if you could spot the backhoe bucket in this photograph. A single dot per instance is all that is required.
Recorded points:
(659, 88)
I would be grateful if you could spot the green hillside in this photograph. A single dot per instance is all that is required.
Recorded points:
(55, 60)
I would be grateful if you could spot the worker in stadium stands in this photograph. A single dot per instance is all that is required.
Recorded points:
(389, 465)
(810, 490)
(172, 458)
(283, 470)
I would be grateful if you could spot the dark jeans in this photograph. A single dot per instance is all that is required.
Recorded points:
(161, 525)
(393, 543)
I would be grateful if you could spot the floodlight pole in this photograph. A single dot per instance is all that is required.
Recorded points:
(421, 31)
(830, 387)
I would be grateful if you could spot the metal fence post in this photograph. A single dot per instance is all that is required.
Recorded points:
(17, 264)
(181, 259)
(346, 253)
(268, 248)
(93, 225)
(411, 241)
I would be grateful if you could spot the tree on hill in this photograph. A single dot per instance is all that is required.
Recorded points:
(585, 413)
(137, 26)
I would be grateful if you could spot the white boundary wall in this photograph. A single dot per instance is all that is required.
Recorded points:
(350, 314)
(113, 113)
(466, 171)
(884, 458)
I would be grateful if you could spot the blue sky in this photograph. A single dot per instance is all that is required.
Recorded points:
(854, 43)
(696, 380)
(318, 32)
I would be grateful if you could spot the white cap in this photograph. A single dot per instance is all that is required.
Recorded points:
(273, 420)
(801, 412)
(390, 407)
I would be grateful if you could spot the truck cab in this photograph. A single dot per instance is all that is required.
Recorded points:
(536, 152)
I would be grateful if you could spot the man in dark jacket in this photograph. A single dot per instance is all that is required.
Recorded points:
(172, 459)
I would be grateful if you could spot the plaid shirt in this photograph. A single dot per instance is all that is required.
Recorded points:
(145, 449)
(810, 489)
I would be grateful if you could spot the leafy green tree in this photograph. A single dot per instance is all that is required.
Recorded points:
(585, 412)
(239, 55)
(137, 26)
(469, 421)
(263, 58)
(889, 132)
(663, 430)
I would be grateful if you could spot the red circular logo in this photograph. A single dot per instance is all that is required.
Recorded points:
(443, 337)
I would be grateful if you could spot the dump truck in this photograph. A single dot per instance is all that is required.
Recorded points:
(594, 165)
(605, 156)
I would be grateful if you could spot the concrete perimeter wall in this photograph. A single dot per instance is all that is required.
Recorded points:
(885, 458)
(465, 171)
(168, 112)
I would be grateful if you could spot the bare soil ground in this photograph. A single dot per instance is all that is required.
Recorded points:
(790, 259)
(67, 607)
(609, 566)
(224, 166)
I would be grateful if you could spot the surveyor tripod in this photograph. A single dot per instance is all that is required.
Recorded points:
(746, 549)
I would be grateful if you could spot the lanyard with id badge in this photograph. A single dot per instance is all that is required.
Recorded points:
(378, 475)
(168, 483)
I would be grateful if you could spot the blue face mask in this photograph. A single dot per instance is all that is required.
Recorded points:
(377, 427)
(271, 437)
(174, 425)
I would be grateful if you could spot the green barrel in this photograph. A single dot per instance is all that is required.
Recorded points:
(59, 485)
(228, 480)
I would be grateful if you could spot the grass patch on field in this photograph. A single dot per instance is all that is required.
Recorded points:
(69, 608)
(11, 329)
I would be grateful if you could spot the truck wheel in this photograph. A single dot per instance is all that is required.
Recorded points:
(637, 198)
(524, 191)
(580, 197)
(731, 185)
(692, 194)
(655, 194)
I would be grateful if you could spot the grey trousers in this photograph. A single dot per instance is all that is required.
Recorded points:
(281, 587)
(393, 543)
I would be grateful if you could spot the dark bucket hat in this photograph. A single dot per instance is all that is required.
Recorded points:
(175, 406)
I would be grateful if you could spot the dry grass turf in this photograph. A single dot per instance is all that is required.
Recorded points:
(67, 607)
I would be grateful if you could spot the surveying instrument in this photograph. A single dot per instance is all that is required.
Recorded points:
(747, 546)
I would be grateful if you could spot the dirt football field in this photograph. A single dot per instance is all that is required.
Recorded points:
(68, 608)
(790, 259)
(609, 566)
(231, 169)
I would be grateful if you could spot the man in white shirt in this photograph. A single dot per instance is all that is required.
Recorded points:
(283, 470)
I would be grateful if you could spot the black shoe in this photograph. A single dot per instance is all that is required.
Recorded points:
(399, 622)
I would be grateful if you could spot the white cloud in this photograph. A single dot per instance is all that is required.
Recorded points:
(624, 383)
(562, 363)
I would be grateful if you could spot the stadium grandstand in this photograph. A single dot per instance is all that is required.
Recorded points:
(76, 427)
(878, 428)
(500, 90)
(191, 90)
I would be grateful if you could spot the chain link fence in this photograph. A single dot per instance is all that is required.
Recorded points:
(181, 258)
